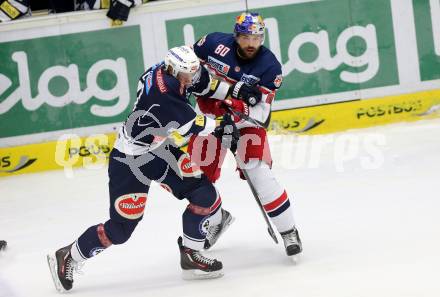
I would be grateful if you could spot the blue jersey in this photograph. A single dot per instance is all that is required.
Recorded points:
(219, 52)
(162, 109)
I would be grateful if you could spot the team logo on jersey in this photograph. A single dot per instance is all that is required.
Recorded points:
(278, 80)
(218, 65)
(249, 79)
(188, 168)
(237, 68)
(131, 206)
(148, 82)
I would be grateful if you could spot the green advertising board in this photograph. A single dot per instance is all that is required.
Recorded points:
(324, 46)
(331, 51)
(427, 19)
(68, 81)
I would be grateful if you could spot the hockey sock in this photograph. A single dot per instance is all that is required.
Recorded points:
(273, 197)
(93, 241)
(204, 201)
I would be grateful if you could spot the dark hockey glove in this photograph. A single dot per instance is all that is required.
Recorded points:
(250, 94)
(119, 9)
(228, 133)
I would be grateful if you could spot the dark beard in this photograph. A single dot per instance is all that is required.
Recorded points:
(243, 55)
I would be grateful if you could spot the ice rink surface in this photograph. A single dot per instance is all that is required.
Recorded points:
(366, 202)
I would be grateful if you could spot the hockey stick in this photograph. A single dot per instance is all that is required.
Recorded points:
(251, 185)
(257, 199)
(247, 118)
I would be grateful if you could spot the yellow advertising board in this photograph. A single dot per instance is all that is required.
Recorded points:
(72, 151)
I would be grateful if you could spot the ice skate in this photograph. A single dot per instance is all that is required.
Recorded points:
(61, 266)
(3, 245)
(292, 243)
(215, 231)
(196, 266)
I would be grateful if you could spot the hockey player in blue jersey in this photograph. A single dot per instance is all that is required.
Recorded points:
(147, 149)
(254, 75)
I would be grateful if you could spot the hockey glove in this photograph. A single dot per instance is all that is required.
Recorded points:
(250, 94)
(228, 133)
(233, 104)
(119, 9)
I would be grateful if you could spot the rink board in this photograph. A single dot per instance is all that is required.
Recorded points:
(357, 114)
(93, 151)
(330, 52)
(74, 151)
(345, 66)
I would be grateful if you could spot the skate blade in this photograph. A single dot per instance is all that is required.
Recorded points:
(294, 259)
(198, 274)
(53, 267)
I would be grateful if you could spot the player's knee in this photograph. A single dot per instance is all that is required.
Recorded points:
(270, 190)
(119, 232)
(265, 182)
(204, 199)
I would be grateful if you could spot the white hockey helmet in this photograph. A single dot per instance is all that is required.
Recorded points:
(182, 59)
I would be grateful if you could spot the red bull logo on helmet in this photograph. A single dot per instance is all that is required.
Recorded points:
(249, 23)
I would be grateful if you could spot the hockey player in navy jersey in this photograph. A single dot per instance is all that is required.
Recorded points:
(148, 149)
(254, 75)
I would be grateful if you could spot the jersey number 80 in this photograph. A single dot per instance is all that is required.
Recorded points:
(222, 50)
